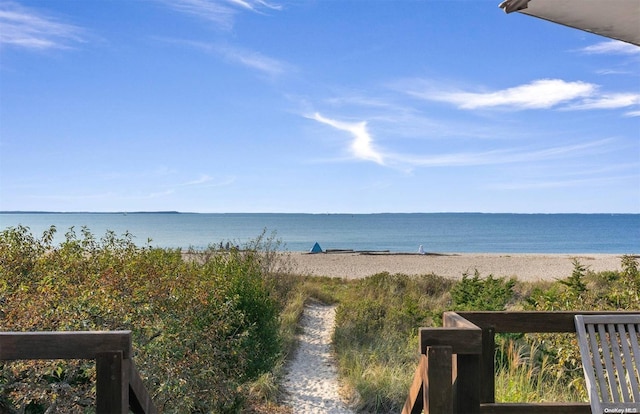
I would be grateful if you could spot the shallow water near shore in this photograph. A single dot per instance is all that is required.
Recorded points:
(436, 232)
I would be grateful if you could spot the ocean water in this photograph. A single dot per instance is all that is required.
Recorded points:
(437, 232)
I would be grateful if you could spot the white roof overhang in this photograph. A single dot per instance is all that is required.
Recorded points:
(616, 19)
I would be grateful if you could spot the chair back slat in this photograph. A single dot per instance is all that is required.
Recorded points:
(604, 352)
(618, 336)
(611, 360)
(633, 359)
(595, 377)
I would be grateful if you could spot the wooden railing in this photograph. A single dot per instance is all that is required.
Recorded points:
(118, 383)
(456, 372)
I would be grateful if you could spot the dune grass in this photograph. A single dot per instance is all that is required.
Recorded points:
(377, 320)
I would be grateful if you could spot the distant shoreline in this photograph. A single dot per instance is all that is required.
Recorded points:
(302, 213)
(93, 212)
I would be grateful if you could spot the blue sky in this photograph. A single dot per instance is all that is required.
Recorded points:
(312, 106)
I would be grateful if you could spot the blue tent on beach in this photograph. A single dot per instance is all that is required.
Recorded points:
(316, 248)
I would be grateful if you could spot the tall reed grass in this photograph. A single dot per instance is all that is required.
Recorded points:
(527, 374)
(378, 317)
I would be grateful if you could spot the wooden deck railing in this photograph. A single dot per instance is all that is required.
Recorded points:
(118, 383)
(456, 372)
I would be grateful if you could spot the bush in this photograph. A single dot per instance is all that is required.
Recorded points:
(489, 294)
(201, 328)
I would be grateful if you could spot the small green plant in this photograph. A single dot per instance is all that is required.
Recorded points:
(576, 286)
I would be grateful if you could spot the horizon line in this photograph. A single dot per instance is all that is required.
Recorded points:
(126, 212)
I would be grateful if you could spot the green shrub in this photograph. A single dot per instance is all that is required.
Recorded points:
(201, 328)
(488, 294)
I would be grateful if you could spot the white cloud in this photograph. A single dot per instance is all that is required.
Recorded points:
(255, 5)
(593, 176)
(361, 147)
(248, 58)
(613, 72)
(612, 47)
(207, 181)
(253, 60)
(204, 178)
(539, 94)
(612, 101)
(632, 113)
(578, 182)
(502, 156)
(220, 12)
(25, 28)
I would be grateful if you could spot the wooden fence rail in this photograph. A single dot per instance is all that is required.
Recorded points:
(119, 386)
(456, 372)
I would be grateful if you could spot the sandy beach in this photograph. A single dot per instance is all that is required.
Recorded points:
(526, 267)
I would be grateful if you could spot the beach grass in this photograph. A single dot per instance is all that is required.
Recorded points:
(376, 330)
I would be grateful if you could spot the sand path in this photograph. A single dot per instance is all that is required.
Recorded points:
(311, 382)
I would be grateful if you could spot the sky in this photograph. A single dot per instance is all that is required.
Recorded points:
(312, 106)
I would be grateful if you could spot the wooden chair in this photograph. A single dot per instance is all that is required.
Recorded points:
(611, 361)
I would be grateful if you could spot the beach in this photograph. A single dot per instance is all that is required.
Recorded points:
(525, 267)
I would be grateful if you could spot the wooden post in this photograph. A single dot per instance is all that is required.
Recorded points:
(112, 383)
(139, 398)
(415, 400)
(437, 392)
(467, 384)
(488, 366)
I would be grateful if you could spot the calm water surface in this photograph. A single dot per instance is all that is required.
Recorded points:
(437, 232)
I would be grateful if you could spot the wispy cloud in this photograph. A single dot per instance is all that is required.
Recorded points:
(220, 12)
(613, 72)
(199, 181)
(604, 175)
(611, 47)
(542, 184)
(253, 60)
(361, 146)
(505, 156)
(28, 29)
(207, 181)
(539, 94)
(612, 101)
(255, 5)
(239, 56)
